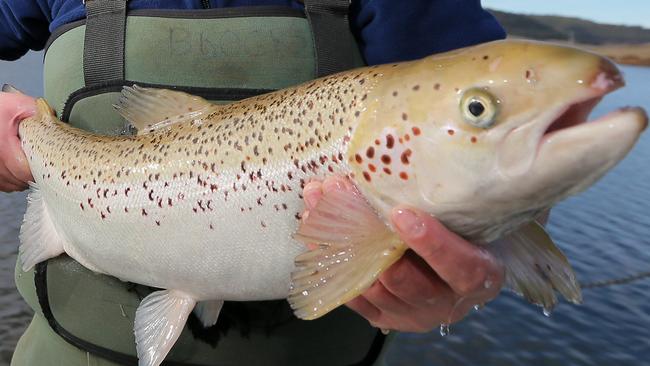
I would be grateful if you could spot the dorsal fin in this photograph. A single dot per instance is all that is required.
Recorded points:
(148, 109)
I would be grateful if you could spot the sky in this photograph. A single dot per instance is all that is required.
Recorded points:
(627, 12)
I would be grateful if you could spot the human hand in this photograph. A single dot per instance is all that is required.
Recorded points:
(437, 282)
(14, 168)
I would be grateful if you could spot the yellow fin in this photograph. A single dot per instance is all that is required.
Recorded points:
(535, 266)
(149, 109)
(354, 247)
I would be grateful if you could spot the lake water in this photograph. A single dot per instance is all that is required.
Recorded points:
(605, 232)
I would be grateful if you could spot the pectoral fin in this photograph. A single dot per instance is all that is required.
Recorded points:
(535, 266)
(159, 321)
(149, 109)
(354, 247)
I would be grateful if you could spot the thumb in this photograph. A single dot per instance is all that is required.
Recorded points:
(16, 161)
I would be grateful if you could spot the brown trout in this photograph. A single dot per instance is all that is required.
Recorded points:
(205, 201)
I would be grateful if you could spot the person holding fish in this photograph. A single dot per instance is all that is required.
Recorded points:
(225, 51)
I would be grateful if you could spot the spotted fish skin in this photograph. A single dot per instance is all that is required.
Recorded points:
(208, 206)
(205, 202)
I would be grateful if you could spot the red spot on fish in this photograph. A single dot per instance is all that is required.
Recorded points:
(370, 153)
(385, 159)
(416, 131)
(407, 137)
(390, 141)
(388, 171)
(451, 132)
(372, 168)
(405, 156)
(377, 142)
(473, 139)
(366, 176)
(357, 157)
(403, 175)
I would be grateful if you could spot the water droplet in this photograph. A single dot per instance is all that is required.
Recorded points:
(385, 331)
(444, 329)
(478, 307)
(487, 284)
(305, 293)
(547, 312)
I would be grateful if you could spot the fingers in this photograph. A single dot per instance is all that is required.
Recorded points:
(14, 170)
(413, 281)
(385, 310)
(9, 183)
(16, 161)
(466, 268)
(366, 309)
(314, 190)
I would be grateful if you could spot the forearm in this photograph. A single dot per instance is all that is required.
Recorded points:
(23, 26)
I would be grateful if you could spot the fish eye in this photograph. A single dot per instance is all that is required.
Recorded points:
(479, 108)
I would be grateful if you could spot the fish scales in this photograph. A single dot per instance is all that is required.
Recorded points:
(233, 180)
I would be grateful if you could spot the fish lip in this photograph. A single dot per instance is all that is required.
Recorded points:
(605, 80)
(559, 118)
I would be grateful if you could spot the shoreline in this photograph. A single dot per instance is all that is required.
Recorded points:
(624, 54)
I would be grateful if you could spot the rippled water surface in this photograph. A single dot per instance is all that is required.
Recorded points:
(605, 232)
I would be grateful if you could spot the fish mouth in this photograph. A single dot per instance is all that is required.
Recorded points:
(606, 80)
(569, 121)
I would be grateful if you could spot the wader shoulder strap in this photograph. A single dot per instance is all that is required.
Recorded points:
(104, 41)
(335, 45)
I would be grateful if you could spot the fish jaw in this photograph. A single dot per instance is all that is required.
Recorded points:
(560, 152)
(578, 93)
(584, 153)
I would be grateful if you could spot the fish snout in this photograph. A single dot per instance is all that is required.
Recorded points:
(607, 77)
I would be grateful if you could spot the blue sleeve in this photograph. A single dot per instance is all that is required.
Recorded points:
(390, 31)
(23, 26)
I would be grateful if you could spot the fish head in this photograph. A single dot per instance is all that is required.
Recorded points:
(488, 136)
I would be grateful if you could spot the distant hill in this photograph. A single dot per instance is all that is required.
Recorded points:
(548, 27)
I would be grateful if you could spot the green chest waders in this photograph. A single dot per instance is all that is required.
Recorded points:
(223, 55)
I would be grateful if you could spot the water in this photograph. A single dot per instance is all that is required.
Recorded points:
(605, 232)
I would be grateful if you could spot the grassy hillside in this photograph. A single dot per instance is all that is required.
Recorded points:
(548, 27)
(624, 44)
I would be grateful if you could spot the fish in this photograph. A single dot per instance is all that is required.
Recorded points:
(204, 201)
